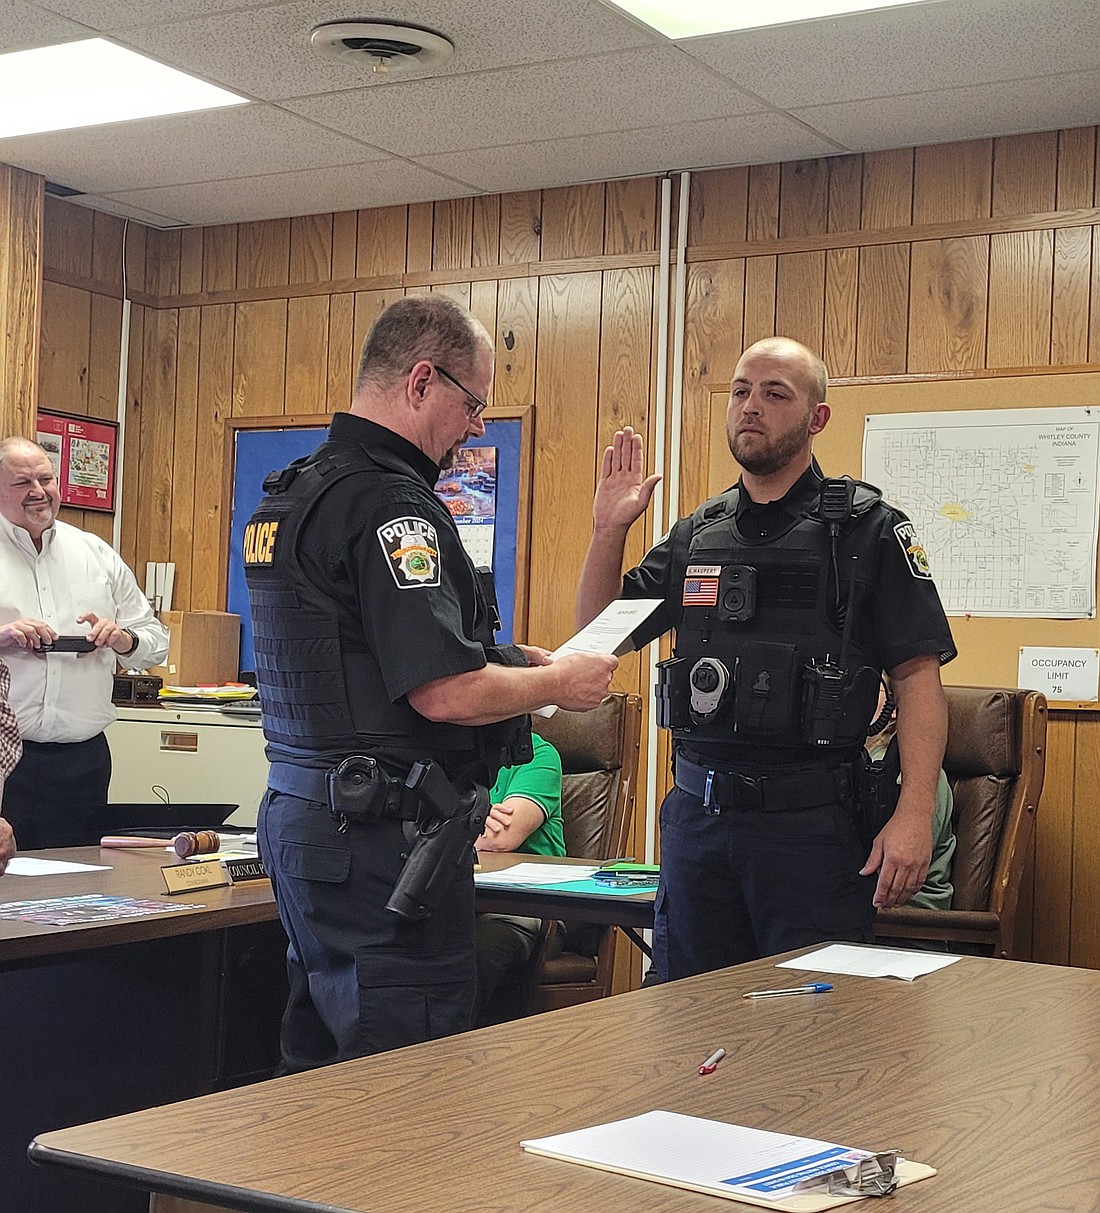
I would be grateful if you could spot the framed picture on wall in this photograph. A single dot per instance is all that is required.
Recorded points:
(83, 451)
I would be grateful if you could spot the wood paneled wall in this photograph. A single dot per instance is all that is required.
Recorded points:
(80, 341)
(21, 197)
(974, 255)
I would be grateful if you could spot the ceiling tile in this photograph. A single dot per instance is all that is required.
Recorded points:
(720, 141)
(535, 93)
(266, 51)
(274, 196)
(919, 48)
(112, 206)
(545, 101)
(23, 26)
(962, 113)
(121, 14)
(245, 140)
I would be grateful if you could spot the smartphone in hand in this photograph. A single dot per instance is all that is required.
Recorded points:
(68, 644)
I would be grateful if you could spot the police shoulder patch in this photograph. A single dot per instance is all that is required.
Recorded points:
(912, 548)
(412, 551)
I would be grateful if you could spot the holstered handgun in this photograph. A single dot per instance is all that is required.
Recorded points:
(452, 823)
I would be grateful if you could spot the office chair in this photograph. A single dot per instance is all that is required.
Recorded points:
(599, 757)
(995, 761)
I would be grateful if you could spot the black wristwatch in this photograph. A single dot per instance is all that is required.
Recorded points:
(133, 646)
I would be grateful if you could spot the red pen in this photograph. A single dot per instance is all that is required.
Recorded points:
(711, 1063)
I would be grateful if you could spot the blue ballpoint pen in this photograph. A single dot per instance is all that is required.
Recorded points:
(813, 987)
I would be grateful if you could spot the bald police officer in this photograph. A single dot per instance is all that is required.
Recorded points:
(789, 594)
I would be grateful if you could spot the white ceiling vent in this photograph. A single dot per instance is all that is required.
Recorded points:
(387, 48)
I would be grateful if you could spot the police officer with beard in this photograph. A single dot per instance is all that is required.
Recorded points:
(789, 594)
(387, 708)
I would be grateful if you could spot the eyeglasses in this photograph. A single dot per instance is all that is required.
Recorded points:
(478, 407)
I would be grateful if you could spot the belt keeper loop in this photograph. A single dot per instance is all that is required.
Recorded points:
(708, 804)
(753, 790)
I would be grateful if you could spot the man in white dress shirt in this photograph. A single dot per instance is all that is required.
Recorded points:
(56, 580)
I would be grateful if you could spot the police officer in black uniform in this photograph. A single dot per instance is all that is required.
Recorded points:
(387, 708)
(789, 595)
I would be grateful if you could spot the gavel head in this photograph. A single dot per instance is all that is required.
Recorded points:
(195, 842)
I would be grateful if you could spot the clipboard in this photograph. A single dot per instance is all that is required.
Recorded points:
(639, 1146)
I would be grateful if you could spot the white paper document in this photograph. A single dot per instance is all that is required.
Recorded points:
(705, 1155)
(535, 874)
(609, 632)
(22, 865)
(870, 962)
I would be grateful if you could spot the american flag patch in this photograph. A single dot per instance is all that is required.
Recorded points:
(700, 591)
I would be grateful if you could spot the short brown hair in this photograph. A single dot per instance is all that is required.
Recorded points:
(418, 327)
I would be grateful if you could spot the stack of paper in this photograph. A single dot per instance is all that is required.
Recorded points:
(535, 875)
(750, 1165)
(231, 692)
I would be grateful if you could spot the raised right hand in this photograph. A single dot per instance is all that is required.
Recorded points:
(26, 634)
(622, 494)
(583, 680)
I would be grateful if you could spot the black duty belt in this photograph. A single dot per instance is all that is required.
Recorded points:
(770, 792)
(310, 783)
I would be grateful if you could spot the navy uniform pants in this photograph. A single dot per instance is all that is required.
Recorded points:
(362, 980)
(746, 883)
(57, 794)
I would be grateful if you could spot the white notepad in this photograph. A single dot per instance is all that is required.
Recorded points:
(904, 963)
(739, 1163)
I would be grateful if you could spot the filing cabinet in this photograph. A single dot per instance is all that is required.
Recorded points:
(195, 754)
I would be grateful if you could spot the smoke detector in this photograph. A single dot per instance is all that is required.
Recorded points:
(388, 48)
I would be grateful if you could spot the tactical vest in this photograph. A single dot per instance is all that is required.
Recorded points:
(320, 693)
(761, 656)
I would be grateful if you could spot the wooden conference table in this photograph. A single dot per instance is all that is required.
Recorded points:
(987, 1070)
(136, 874)
(106, 1017)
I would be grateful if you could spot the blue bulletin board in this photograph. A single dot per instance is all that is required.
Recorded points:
(258, 451)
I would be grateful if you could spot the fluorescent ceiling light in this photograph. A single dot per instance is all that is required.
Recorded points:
(88, 83)
(691, 18)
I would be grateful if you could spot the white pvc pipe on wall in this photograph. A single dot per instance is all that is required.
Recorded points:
(679, 304)
(657, 524)
(666, 498)
(120, 413)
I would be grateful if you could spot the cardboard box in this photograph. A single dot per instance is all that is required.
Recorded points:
(203, 646)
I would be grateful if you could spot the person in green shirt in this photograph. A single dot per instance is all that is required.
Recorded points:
(937, 890)
(525, 816)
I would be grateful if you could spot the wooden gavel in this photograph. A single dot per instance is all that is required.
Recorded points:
(186, 844)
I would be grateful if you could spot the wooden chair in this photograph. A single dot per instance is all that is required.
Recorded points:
(599, 757)
(995, 760)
